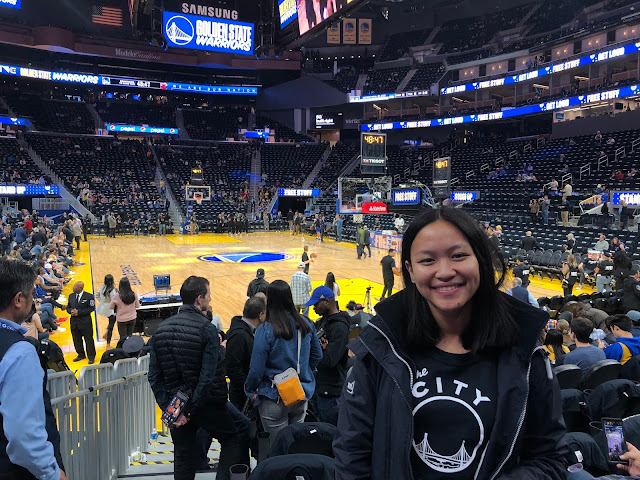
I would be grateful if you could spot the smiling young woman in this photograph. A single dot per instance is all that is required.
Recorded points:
(449, 382)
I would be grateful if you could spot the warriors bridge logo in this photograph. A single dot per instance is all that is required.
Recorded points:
(246, 257)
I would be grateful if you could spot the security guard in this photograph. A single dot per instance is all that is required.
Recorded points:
(521, 271)
(604, 272)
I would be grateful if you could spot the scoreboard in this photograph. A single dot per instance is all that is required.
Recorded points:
(373, 153)
(442, 177)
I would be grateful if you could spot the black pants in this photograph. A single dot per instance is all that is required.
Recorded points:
(77, 239)
(112, 232)
(388, 287)
(368, 247)
(125, 329)
(112, 322)
(568, 290)
(82, 329)
(227, 425)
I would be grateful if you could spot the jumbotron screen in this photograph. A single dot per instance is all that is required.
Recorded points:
(314, 12)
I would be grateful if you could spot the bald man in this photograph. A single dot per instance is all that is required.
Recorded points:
(80, 306)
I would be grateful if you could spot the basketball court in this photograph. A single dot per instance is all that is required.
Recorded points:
(230, 263)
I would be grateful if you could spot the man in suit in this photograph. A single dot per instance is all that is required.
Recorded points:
(79, 306)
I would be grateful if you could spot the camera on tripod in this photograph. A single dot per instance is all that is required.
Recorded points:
(369, 288)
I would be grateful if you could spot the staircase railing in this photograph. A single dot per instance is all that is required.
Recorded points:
(602, 160)
(174, 212)
(585, 170)
(63, 192)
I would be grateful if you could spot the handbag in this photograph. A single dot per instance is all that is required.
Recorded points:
(288, 382)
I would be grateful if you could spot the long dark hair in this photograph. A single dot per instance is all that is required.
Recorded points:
(491, 325)
(330, 281)
(554, 340)
(109, 284)
(126, 294)
(280, 309)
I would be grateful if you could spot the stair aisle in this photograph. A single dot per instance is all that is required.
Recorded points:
(156, 462)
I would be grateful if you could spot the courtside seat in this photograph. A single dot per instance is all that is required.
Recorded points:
(569, 376)
(599, 373)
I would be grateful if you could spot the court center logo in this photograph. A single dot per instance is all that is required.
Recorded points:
(179, 30)
(245, 257)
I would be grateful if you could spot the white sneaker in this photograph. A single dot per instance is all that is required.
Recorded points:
(71, 272)
(59, 329)
(579, 287)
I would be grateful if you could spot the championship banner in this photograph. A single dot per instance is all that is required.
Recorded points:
(333, 34)
(364, 31)
(349, 31)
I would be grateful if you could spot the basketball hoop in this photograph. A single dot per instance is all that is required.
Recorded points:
(198, 198)
(358, 218)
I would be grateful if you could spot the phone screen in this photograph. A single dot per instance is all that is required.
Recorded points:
(174, 409)
(615, 438)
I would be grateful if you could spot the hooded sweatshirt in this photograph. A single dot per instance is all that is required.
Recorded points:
(622, 351)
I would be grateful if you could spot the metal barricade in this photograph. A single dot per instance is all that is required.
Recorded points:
(109, 417)
(60, 384)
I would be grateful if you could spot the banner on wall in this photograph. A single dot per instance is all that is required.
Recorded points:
(364, 31)
(349, 31)
(333, 34)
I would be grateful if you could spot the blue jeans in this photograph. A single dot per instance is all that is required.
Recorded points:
(275, 415)
(602, 282)
(339, 234)
(545, 217)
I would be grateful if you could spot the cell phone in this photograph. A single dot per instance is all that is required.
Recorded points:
(616, 444)
(175, 409)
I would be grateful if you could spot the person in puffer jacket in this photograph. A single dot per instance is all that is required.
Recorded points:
(449, 381)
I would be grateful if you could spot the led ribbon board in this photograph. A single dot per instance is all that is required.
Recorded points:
(88, 79)
(631, 198)
(406, 197)
(141, 129)
(14, 121)
(299, 192)
(11, 3)
(29, 190)
(508, 112)
(542, 72)
(387, 96)
(459, 196)
(288, 10)
(206, 33)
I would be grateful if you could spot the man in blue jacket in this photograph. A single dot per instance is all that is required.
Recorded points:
(627, 345)
(27, 440)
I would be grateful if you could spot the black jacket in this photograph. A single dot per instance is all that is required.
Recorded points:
(257, 285)
(186, 356)
(375, 424)
(529, 243)
(238, 358)
(631, 294)
(85, 307)
(333, 332)
(318, 434)
(297, 465)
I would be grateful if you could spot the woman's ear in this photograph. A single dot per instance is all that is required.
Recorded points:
(407, 264)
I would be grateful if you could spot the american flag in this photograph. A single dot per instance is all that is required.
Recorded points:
(106, 16)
